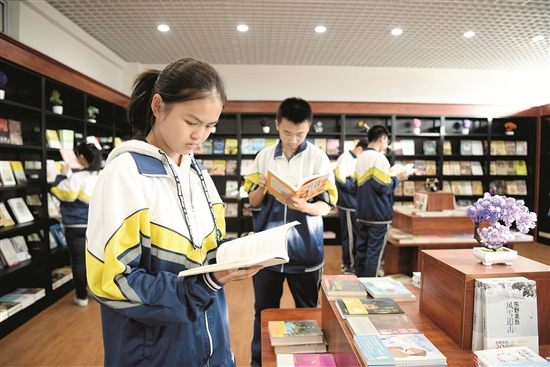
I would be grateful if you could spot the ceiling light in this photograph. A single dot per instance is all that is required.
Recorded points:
(320, 29)
(242, 28)
(469, 34)
(538, 38)
(163, 28)
(396, 31)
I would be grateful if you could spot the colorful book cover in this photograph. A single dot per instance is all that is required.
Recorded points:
(393, 324)
(247, 146)
(429, 147)
(207, 146)
(218, 146)
(466, 147)
(295, 332)
(349, 307)
(218, 167)
(231, 167)
(258, 144)
(270, 142)
(339, 286)
(231, 146)
(4, 132)
(305, 360)
(333, 146)
(513, 356)
(18, 172)
(385, 287)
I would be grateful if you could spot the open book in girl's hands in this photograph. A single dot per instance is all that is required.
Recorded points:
(398, 168)
(307, 188)
(264, 248)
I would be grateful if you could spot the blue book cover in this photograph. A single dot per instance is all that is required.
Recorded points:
(218, 147)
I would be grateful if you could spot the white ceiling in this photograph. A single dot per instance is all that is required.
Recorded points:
(358, 32)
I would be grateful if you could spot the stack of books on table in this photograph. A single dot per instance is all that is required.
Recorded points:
(512, 356)
(359, 307)
(386, 287)
(340, 286)
(296, 336)
(303, 360)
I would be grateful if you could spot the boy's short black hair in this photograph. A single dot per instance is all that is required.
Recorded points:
(296, 110)
(376, 132)
(363, 143)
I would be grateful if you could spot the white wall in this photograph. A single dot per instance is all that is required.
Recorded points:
(43, 28)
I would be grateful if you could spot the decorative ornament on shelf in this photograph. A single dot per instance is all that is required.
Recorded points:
(431, 184)
(363, 125)
(416, 126)
(318, 127)
(92, 113)
(466, 124)
(265, 124)
(510, 127)
(3, 82)
(500, 212)
(55, 98)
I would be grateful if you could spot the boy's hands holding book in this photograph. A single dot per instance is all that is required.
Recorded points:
(232, 275)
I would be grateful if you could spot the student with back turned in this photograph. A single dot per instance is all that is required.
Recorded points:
(374, 201)
(347, 202)
(155, 212)
(294, 159)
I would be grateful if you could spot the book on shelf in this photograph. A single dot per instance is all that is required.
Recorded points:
(501, 168)
(8, 253)
(339, 286)
(476, 168)
(417, 279)
(6, 174)
(265, 248)
(270, 142)
(511, 188)
(257, 145)
(398, 191)
(231, 146)
(359, 307)
(398, 350)
(521, 147)
(247, 146)
(20, 210)
(447, 148)
(408, 147)
(512, 356)
(306, 360)
(14, 127)
(206, 147)
(510, 316)
(521, 186)
(52, 139)
(386, 287)
(466, 147)
(429, 147)
(510, 168)
(510, 147)
(4, 132)
(218, 167)
(5, 217)
(333, 146)
(20, 247)
(477, 188)
(231, 210)
(59, 233)
(492, 168)
(24, 299)
(446, 186)
(292, 332)
(408, 188)
(11, 307)
(446, 168)
(61, 276)
(431, 168)
(521, 168)
(498, 147)
(18, 172)
(66, 138)
(218, 146)
(454, 168)
(321, 143)
(301, 348)
(231, 167)
(69, 157)
(465, 168)
(37, 293)
(231, 188)
(246, 166)
(477, 147)
(466, 188)
(393, 324)
(307, 188)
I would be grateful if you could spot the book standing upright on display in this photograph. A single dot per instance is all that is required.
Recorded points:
(20, 210)
(307, 188)
(265, 248)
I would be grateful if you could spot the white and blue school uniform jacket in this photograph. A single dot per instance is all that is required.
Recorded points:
(346, 185)
(137, 242)
(305, 241)
(74, 196)
(375, 187)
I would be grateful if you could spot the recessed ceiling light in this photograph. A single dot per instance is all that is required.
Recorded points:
(163, 28)
(320, 29)
(469, 34)
(538, 38)
(396, 31)
(242, 28)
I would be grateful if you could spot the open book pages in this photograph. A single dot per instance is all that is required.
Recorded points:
(398, 168)
(307, 188)
(265, 248)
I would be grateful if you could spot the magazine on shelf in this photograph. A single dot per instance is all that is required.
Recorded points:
(265, 248)
(307, 188)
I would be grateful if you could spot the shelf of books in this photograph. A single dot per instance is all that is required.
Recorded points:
(543, 225)
(34, 140)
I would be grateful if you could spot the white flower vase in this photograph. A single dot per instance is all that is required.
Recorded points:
(265, 129)
(489, 257)
(465, 131)
(58, 110)
(93, 121)
(509, 133)
(416, 131)
(2, 93)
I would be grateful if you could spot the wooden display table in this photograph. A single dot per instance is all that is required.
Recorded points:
(447, 294)
(432, 225)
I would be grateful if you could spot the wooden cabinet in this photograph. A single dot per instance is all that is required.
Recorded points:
(26, 100)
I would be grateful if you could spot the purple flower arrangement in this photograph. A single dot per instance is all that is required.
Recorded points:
(466, 124)
(500, 212)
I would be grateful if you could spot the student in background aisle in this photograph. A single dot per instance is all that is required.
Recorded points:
(347, 202)
(374, 202)
(74, 196)
(294, 159)
(154, 213)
